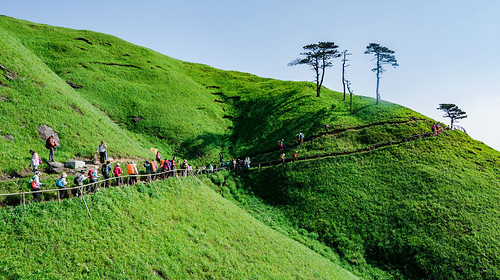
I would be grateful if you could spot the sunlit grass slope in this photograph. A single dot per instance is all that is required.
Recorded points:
(37, 96)
(428, 209)
(185, 230)
(187, 109)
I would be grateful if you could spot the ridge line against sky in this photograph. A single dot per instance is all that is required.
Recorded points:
(447, 50)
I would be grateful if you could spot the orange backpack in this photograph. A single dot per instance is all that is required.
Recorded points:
(154, 166)
(130, 169)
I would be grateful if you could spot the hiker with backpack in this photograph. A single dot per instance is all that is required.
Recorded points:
(35, 162)
(80, 177)
(117, 171)
(147, 165)
(283, 157)
(35, 186)
(173, 167)
(185, 167)
(433, 128)
(327, 128)
(50, 144)
(167, 166)
(154, 169)
(132, 171)
(158, 157)
(93, 177)
(281, 143)
(106, 173)
(295, 157)
(102, 152)
(61, 184)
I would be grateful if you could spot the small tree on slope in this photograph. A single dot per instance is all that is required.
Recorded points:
(453, 112)
(344, 66)
(382, 55)
(318, 56)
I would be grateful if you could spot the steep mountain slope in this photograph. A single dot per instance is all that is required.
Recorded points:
(36, 96)
(185, 230)
(423, 208)
(187, 109)
(428, 208)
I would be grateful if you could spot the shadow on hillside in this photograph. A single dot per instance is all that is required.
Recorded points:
(265, 120)
(206, 146)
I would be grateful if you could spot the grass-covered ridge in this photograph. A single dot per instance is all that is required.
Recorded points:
(428, 208)
(185, 230)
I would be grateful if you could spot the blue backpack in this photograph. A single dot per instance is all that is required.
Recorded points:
(59, 183)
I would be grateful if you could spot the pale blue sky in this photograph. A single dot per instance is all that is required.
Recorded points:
(448, 51)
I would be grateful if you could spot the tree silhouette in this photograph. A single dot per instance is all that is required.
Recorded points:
(453, 112)
(383, 56)
(348, 84)
(344, 66)
(318, 56)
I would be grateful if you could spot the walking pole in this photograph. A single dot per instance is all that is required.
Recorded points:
(84, 201)
(152, 183)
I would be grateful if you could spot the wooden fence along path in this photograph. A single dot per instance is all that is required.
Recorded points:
(80, 189)
(185, 172)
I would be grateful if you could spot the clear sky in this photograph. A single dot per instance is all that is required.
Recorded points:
(448, 50)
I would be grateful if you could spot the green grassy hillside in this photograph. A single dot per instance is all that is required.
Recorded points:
(187, 109)
(185, 230)
(428, 209)
(422, 208)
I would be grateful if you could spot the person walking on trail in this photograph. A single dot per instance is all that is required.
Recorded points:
(433, 128)
(79, 183)
(300, 138)
(154, 169)
(35, 162)
(61, 184)
(185, 167)
(173, 167)
(437, 128)
(117, 171)
(247, 163)
(158, 157)
(147, 165)
(93, 177)
(132, 171)
(327, 128)
(166, 167)
(295, 157)
(35, 186)
(102, 152)
(281, 143)
(221, 158)
(283, 157)
(106, 173)
(50, 144)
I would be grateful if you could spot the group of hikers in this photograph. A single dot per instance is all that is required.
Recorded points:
(164, 167)
(157, 168)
